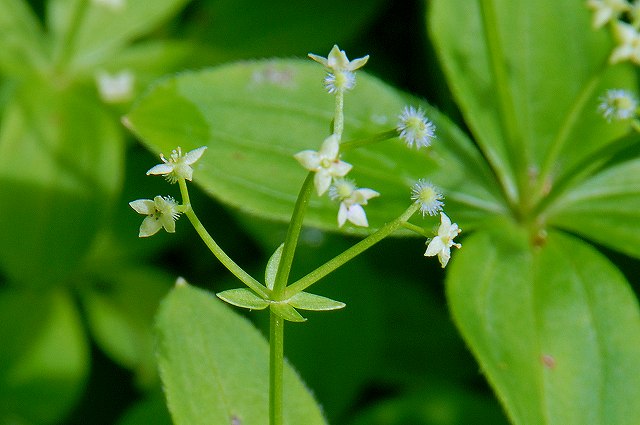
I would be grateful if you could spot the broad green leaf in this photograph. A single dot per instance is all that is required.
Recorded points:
(499, 57)
(244, 298)
(21, 40)
(307, 301)
(286, 312)
(272, 267)
(214, 365)
(120, 308)
(44, 356)
(556, 329)
(151, 410)
(605, 208)
(87, 32)
(255, 116)
(63, 160)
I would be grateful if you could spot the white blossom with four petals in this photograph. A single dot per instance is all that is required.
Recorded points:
(160, 212)
(628, 44)
(178, 166)
(351, 200)
(606, 10)
(325, 163)
(337, 60)
(441, 244)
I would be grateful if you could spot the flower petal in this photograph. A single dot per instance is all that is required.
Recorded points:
(143, 206)
(149, 227)
(161, 169)
(444, 256)
(435, 247)
(339, 169)
(330, 147)
(194, 155)
(308, 159)
(357, 216)
(322, 181)
(342, 214)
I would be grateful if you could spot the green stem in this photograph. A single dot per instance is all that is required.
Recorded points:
(350, 253)
(417, 229)
(338, 118)
(380, 137)
(291, 239)
(226, 261)
(276, 369)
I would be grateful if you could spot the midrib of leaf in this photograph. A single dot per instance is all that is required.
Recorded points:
(507, 119)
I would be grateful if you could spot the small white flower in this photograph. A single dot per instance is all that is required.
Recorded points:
(606, 10)
(441, 244)
(161, 212)
(178, 166)
(339, 81)
(415, 128)
(115, 88)
(618, 105)
(351, 201)
(428, 196)
(325, 162)
(337, 60)
(628, 44)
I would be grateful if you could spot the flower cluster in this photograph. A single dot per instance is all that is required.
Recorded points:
(441, 244)
(163, 211)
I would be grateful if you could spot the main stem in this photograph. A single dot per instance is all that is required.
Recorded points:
(276, 369)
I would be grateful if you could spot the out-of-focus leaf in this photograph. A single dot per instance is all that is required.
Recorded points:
(214, 365)
(286, 28)
(87, 32)
(559, 321)
(605, 208)
(44, 359)
(498, 56)
(120, 310)
(441, 404)
(255, 116)
(21, 42)
(151, 410)
(63, 160)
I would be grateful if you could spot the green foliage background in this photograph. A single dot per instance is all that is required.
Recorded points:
(79, 290)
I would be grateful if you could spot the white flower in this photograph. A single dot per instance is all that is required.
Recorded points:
(161, 212)
(618, 105)
(428, 196)
(415, 128)
(351, 201)
(178, 166)
(326, 163)
(606, 10)
(441, 244)
(628, 44)
(339, 81)
(115, 88)
(337, 60)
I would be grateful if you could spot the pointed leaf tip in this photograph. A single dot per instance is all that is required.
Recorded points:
(244, 298)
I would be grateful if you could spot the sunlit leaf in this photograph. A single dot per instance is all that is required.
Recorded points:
(255, 116)
(214, 365)
(244, 298)
(307, 301)
(556, 329)
(286, 312)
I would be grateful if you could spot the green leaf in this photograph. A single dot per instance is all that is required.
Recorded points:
(44, 356)
(63, 166)
(556, 329)
(214, 365)
(150, 410)
(21, 39)
(243, 297)
(272, 267)
(88, 32)
(120, 307)
(498, 57)
(286, 312)
(307, 301)
(605, 208)
(254, 116)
